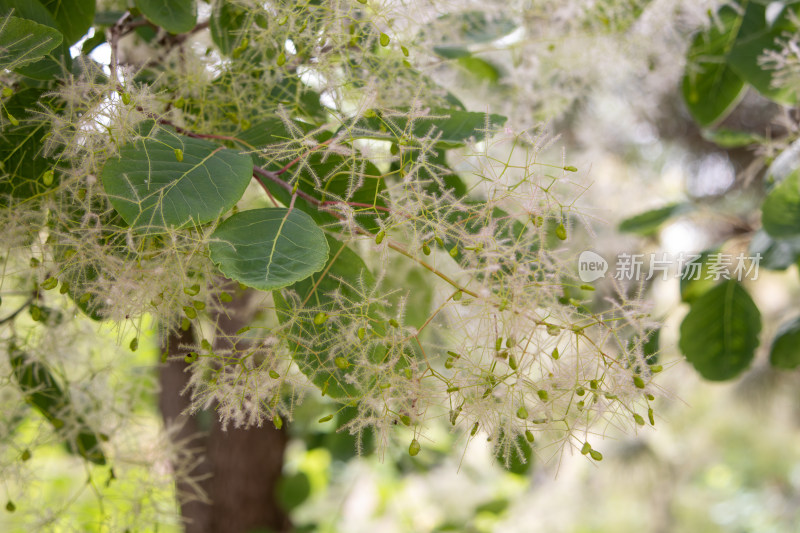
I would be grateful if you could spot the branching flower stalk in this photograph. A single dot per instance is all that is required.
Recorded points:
(447, 293)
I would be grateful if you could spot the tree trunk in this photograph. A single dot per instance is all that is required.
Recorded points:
(232, 487)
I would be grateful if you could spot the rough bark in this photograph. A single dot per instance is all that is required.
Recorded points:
(237, 469)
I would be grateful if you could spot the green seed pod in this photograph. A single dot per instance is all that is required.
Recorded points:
(10, 507)
(281, 59)
(34, 262)
(384, 40)
(638, 382)
(362, 332)
(326, 418)
(12, 119)
(193, 290)
(198, 304)
(498, 343)
(320, 318)
(191, 312)
(134, 345)
(405, 419)
(528, 435)
(570, 169)
(414, 448)
(454, 415)
(457, 296)
(408, 373)
(26, 455)
(404, 50)
(454, 252)
(555, 354)
(277, 421)
(273, 374)
(587, 287)
(185, 324)
(581, 404)
(8, 92)
(49, 283)
(449, 363)
(296, 186)
(474, 430)
(655, 369)
(543, 395)
(394, 323)
(325, 388)
(522, 413)
(190, 357)
(561, 232)
(553, 330)
(341, 363)
(649, 396)
(593, 384)
(597, 456)
(379, 237)
(47, 177)
(36, 313)
(453, 389)
(178, 155)
(453, 354)
(426, 249)
(586, 448)
(439, 241)
(126, 98)
(204, 344)
(638, 419)
(580, 391)
(224, 297)
(512, 362)
(651, 417)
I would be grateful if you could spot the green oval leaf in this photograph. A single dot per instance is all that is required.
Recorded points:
(269, 248)
(780, 212)
(785, 352)
(345, 278)
(25, 41)
(150, 188)
(175, 16)
(55, 63)
(450, 127)
(720, 334)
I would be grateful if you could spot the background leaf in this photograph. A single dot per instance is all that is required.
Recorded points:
(74, 17)
(785, 351)
(21, 147)
(720, 334)
(269, 248)
(647, 223)
(150, 188)
(175, 16)
(710, 86)
(42, 391)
